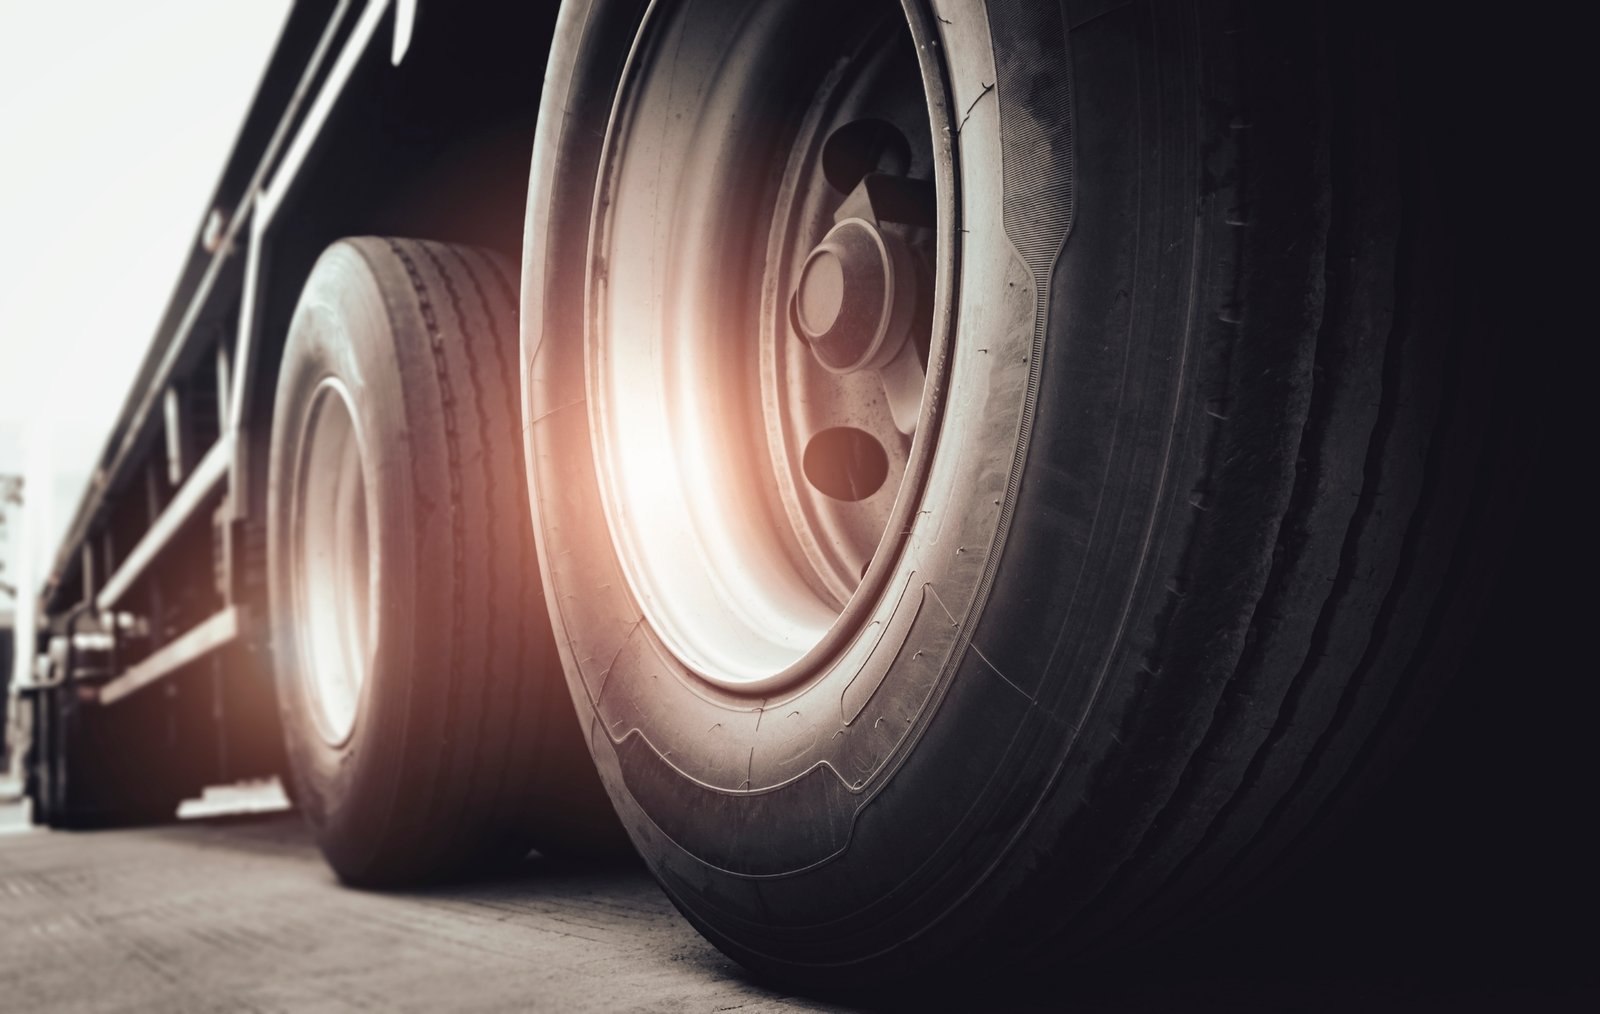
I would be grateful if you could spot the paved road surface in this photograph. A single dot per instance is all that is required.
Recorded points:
(239, 913)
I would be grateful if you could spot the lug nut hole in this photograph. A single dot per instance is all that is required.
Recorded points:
(861, 147)
(845, 463)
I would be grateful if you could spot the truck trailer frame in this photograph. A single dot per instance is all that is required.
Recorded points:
(150, 620)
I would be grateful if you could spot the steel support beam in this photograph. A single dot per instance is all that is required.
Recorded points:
(284, 174)
(180, 436)
(205, 478)
(195, 643)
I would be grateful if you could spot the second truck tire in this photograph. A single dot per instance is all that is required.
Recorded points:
(427, 729)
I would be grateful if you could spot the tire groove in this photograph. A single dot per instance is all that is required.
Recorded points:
(490, 675)
(1367, 514)
(1289, 542)
(525, 556)
(1331, 423)
(447, 403)
(1423, 521)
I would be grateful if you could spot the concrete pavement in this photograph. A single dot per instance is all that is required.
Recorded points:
(239, 913)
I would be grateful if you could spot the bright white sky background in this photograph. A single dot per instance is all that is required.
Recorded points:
(115, 119)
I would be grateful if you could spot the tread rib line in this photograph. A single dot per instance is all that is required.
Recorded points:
(467, 342)
(447, 404)
(1366, 514)
(1208, 789)
(525, 557)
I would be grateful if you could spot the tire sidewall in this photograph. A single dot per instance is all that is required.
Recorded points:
(798, 803)
(341, 329)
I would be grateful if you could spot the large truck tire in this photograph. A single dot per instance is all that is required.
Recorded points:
(424, 716)
(1138, 586)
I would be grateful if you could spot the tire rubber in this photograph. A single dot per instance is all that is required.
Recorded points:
(464, 749)
(1207, 526)
(86, 780)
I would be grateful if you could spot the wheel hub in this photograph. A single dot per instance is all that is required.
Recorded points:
(760, 319)
(851, 306)
(331, 537)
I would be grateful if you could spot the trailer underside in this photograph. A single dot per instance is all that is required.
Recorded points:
(155, 601)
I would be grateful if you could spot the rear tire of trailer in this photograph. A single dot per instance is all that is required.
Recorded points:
(1193, 523)
(86, 775)
(426, 726)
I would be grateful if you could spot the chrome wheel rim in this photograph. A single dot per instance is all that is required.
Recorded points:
(333, 562)
(756, 469)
